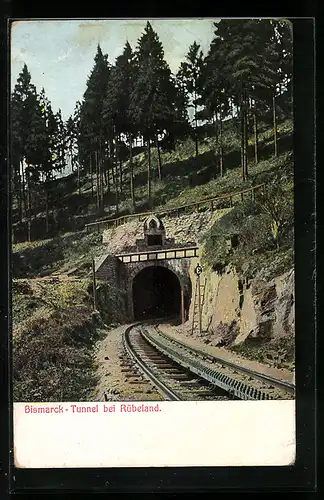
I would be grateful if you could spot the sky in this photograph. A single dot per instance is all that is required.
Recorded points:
(60, 54)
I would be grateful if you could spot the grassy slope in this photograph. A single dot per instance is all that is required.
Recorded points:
(54, 331)
(56, 255)
(184, 177)
(181, 184)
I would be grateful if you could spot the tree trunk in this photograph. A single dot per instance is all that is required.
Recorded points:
(221, 159)
(118, 164)
(91, 177)
(246, 144)
(23, 176)
(274, 125)
(101, 180)
(111, 156)
(215, 118)
(105, 171)
(196, 126)
(242, 141)
(159, 157)
(29, 207)
(97, 180)
(19, 196)
(14, 185)
(72, 162)
(46, 210)
(120, 174)
(116, 191)
(78, 166)
(255, 137)
(131, 173)
(149, 195)
(114, 170)
(108, 174)
(245, 137)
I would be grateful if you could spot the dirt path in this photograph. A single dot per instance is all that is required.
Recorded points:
(113, 382)
(182, 333)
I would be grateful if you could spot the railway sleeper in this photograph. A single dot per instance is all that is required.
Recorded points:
(216, 378)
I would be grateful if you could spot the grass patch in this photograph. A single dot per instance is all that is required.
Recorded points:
(52, 357)
(54, 331)
(278, 352)
(57, 254)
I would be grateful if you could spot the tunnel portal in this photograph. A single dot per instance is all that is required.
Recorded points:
(156, 293)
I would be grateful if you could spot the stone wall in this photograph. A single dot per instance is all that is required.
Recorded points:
(108, 268)
(185, 229)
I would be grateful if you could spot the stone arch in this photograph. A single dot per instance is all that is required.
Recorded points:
(182, 276)
(153, 222)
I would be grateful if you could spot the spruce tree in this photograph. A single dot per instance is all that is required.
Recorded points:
(191, 71)
(92, 126)
(49, 160)
(246, 69)
(72, 129)
(153, 95)
(28, 140)
(117, 112)
(215, 95)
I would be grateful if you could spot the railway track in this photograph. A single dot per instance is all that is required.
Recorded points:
(183, 373)
(173, 381)
(262, 377)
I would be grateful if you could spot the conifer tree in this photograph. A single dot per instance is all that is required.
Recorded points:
(28, 141)
(117, 111)
(214, 92)
(61, 142)
(49, 157)
(247, 69)
(92, 126)
(191, 70)
(72, 141)
(278, 54)
(153, 95)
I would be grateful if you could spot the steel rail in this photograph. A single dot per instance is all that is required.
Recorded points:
(260, 376)
(166, 391)
(231, 385)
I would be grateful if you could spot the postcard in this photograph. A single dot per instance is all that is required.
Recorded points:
(153, 275)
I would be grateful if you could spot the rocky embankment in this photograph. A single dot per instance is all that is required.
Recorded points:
(254, 317)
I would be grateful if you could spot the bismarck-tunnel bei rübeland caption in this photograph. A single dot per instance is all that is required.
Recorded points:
(156, 293)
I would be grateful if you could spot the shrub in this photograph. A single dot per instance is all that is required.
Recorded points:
(277, 205)
(260, 228)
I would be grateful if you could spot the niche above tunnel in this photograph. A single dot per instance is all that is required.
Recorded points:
(156, 293)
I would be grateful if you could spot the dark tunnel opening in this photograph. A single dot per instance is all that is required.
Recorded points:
(156, 293)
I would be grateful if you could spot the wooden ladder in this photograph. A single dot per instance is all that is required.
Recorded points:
(195, 316)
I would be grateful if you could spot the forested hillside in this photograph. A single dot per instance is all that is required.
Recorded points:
(143, 137)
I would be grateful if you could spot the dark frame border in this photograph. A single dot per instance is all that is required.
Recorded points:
(299, 477)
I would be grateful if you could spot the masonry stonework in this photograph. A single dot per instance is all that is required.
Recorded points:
(178, 267)
(119, 274)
